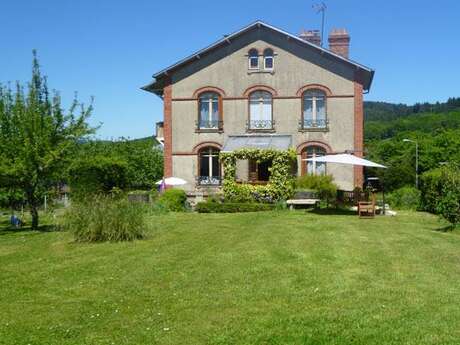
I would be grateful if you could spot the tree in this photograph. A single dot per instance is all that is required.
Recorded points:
(37, 137)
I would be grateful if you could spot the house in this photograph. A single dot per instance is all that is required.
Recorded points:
(262, 87)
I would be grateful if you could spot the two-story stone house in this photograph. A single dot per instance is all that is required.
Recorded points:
(263, 87)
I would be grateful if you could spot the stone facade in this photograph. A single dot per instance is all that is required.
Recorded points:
(225, 71)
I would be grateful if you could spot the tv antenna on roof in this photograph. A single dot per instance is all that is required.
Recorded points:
(321, 8)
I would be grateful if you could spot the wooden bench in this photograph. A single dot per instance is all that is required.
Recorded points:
(308, 202)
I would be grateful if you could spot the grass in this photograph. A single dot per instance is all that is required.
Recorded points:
(255, 278)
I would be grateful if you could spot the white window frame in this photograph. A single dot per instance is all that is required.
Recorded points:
(270, 56)
(250, 58)
(315, 154)
(260, 102)
(313, 99)
(211, 100)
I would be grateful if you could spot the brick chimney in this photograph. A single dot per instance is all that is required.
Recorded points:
(339, 42)
(311, 36)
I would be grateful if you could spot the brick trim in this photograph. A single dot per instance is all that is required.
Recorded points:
(204, 144)
(323, 88)
(358, 132)
(253, 88)
(301, 150)
(181, 99)
(167, 129)
(208, 89)
(319, 143)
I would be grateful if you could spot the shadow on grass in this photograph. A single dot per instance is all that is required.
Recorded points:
(447, 228)
(8, 229)
(333, 212)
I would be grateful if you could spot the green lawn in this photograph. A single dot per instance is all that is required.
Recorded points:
(259, 278)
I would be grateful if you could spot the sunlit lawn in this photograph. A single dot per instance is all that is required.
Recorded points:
(256, 278)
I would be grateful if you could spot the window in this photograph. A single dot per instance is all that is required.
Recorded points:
(208, 117)
(209, 167)
(268, 59)
(260, 110)
(253, 59)
(315, 168)
(314, 109)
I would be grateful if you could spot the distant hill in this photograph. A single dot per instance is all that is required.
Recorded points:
(382, 111)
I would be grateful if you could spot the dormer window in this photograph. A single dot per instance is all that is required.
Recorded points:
(268, 59)
(253, 59)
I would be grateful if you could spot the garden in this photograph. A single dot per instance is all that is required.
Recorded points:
(121, 263)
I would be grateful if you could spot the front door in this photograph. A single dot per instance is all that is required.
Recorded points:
(259, 172)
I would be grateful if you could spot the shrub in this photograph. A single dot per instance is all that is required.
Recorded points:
(103, 218)
(406, 198)
(97, 174)
(431, 189)
(232, 207)
(324, 186)
(173, 200)
(441, 192)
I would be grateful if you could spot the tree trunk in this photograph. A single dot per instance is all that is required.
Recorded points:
(34, 214)
(33, 206)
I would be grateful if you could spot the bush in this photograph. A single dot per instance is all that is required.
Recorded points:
(406, 198)
(103, 218)
(97, 174)
(232, 207)
(173, 200)
(324, 186)
(441, 192)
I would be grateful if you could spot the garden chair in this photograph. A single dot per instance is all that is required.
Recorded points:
(366, 209)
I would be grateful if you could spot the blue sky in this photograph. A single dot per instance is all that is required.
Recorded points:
(108, 49)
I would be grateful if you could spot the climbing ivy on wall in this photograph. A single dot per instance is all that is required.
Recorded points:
(280, 185)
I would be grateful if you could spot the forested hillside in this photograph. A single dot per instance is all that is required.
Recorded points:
(436, 129)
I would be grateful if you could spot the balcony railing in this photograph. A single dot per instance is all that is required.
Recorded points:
(313, 124)
(209, 124)
(261, 124)
(209, 180)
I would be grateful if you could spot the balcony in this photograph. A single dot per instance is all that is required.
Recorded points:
(261, 125)
(209, 126)
(314, 125)
(210, 181)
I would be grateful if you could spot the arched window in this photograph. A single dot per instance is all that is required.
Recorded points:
(312, 167)
(314, 109)
(209, 167)
(208, 108)
(268, 59)
(260, 110)
(253, 59)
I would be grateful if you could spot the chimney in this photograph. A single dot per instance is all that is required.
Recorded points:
(339, 42)
(311, 36)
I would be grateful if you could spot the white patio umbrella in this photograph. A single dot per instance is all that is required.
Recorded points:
(345, 158)
(172, 181)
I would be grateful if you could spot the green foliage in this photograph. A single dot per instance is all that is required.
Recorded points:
(441, 192)
(97, 174)
(37, 138)
(104, 218)
(405, 198)
(173, 200)
(11, 198)
(280, 186)
(232, 207)
(143, 160)
(323, 185)
(383, 111)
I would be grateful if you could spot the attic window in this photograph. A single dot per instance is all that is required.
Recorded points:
(253, 59)
(268, 59)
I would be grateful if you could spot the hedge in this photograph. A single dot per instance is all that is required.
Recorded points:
(232, 207)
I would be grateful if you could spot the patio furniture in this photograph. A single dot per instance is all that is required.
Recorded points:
(366, 209)
(305, 198)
